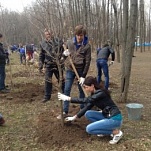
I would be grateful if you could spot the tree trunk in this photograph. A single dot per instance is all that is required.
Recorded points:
(116, 32)
(128, 47)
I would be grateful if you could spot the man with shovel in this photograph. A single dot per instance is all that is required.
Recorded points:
(78, 54)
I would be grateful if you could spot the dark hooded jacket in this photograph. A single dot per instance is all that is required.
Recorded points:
(3, 55)
(80, 55)
(49, 52)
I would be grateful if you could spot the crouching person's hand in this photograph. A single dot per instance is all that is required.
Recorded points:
(63, 97)
(72, 118)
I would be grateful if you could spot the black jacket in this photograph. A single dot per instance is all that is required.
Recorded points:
(3, 55)
(99, 99)
(49, 52)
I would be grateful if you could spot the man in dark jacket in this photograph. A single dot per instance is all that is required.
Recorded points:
(51, 50)
(3, 57)
(79, 50)
(102, 59)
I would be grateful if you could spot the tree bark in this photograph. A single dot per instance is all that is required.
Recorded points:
(128, 47)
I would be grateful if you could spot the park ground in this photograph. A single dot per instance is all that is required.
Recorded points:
(32, 125)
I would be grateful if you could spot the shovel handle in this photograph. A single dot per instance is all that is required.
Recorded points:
(75, 71)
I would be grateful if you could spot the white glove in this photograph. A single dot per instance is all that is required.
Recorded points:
(63, 97)
(81, 80)
(70, 118)
(111, 62)
(66, 52)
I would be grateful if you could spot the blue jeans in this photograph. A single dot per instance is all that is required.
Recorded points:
(2, 77)
(48, 81)
(102, 65)
(100, 124)
(70, 76)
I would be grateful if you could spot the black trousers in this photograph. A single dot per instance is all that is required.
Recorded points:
(48, 81)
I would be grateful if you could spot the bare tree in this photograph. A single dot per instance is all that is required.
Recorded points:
(141, 23)
(117, 43)
(128, 45)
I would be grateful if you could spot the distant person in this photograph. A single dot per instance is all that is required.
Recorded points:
(105, 122)
(29, 48)
(102, 63)
(13, 48)
(3, 57)
(22, 54)
(7, 56)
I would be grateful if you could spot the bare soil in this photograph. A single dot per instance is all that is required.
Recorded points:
(32, 125)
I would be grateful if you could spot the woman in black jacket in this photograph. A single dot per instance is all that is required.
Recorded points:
(104, 122)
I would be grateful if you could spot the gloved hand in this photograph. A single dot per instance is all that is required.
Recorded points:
(66, 52)
(70, 118)
(81, 80)
(111, 62)
(63, 97)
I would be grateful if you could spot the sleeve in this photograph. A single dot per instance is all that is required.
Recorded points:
(88, 106)
(90, 99)
(81, 100)
(87, 62)
(112, 53)
(41, 57)
(2, 55)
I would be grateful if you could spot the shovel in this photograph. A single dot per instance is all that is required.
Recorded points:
(75, 71)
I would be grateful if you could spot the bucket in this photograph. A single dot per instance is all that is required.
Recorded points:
(134, 111)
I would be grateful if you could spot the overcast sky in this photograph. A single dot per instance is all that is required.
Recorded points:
(15, 5)
(18, 5)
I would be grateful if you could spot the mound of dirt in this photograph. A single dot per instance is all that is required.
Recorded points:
(51, 133)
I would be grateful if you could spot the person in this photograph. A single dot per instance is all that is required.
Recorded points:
(7, 56)
(3, 57)
(105, 122)
(22, 54)
(47, 59)
(2, 121)
(29, 50)
(102, 63)
(79, 50)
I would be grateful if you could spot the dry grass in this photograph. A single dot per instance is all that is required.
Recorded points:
(22, 109)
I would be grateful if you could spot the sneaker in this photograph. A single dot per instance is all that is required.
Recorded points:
(100, 135)
(116, 138)
(64, 116)
(45, 100)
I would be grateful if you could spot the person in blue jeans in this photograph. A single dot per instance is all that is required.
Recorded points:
(107, 121)
(102, 63)
(3, 57)
(79, 50)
